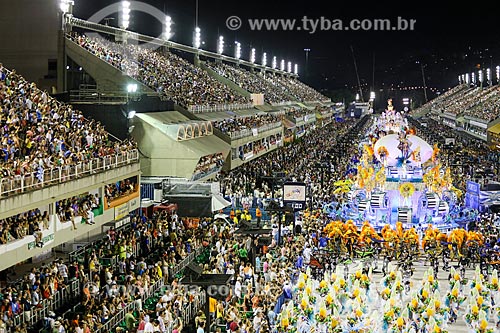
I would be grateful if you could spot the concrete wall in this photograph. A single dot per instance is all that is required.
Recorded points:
(165, 157)
(29, 29)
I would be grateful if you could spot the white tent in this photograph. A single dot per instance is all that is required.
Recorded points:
(218, 202)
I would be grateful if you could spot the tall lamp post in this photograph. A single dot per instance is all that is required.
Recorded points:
(307, 50)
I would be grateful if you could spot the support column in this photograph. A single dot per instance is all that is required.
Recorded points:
(61, 62)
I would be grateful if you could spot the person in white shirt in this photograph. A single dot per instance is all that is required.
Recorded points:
(148, 328)
(237, 288)
(230, 269)
(161, 321)
(307, 254)
(257, 321)
(32, 276)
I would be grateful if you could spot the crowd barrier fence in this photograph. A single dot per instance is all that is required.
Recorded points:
(36, 180)
(58, 300)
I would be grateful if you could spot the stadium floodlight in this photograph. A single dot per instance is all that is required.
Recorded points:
(467, 78)
(473, 77)
(406, 101)
(357, 97)
(197, 38)
(488, 75)
(459, 79)
(498, 73)
(274, 63)
(252, 55)
(237, 52)
(289, 67)
(168, 28)
(220, 46)
(125, 15)
(264, 59)
(64, 5)
(481, 76)
(372, 96)
(132, 88)
(296, 69)
(131, 114)
(282, 65)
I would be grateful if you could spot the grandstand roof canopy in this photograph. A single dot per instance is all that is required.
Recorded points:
(176, 126)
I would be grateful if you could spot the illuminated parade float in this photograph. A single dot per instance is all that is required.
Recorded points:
(397, 176)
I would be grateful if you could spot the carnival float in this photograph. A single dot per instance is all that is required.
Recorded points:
(397, 176)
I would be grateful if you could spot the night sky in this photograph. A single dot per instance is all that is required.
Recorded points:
(448, 40)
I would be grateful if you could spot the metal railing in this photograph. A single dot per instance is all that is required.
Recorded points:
(97, 96)
(120, 316)
(219, 107)
(61, 298)
(249, 132)
(19, 184)
(187, 314)
(193, 307)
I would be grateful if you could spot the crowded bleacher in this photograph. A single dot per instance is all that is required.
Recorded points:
(147, 252)
(252, 82)
(295, 88)
(235, 124)
(297, 112)
(300, 160)
(22, 225)
(468, 157)
(39, 134)
(462, 100)
(166, 73)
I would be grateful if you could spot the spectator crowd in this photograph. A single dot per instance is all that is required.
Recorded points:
(165, 72)
(188, 85)
(252, 82)
(208, 164)
(463, 100)
(298, 90)
(39, 134)
(237, 124)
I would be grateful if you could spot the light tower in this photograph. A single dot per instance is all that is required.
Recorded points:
(220, 46)
(197, 38)
(125, 15)
(168, 28)
(237, 52)
(252, 55)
